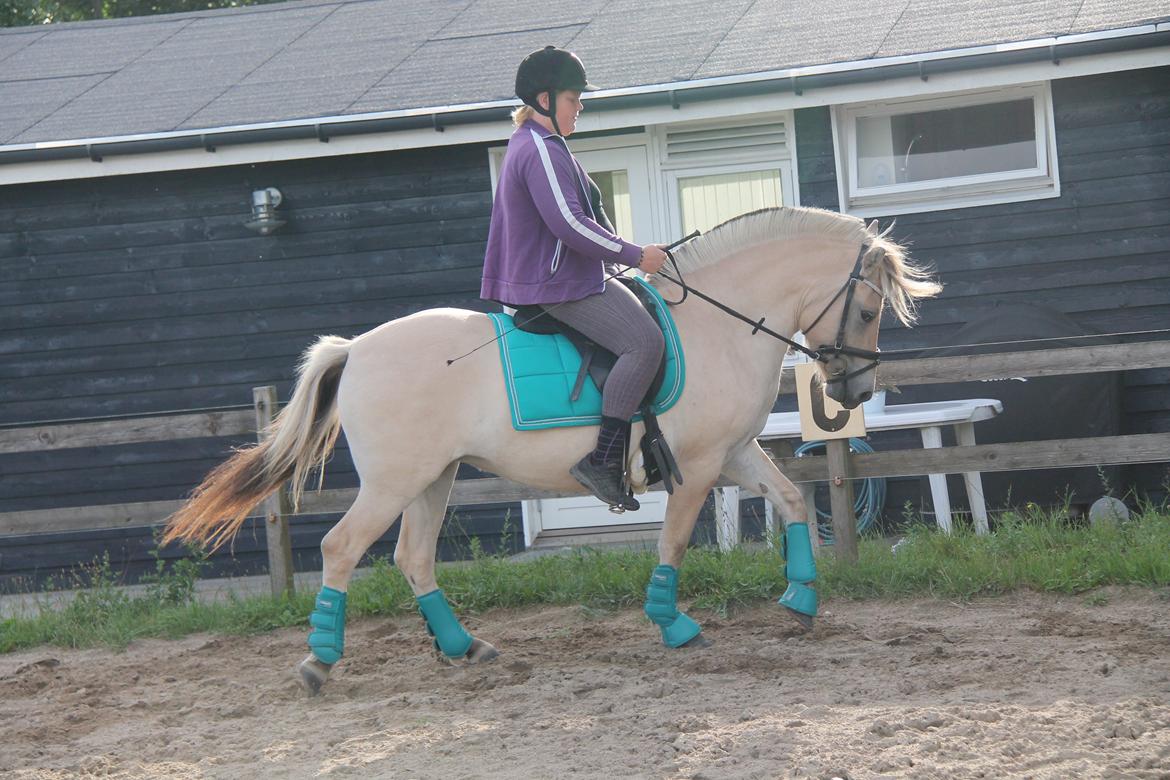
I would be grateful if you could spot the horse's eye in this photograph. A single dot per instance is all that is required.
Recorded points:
(867, 315)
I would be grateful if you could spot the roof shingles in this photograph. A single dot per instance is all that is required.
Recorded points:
(310, 58)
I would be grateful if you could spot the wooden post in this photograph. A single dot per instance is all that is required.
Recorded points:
(276, 507)
(841, 499)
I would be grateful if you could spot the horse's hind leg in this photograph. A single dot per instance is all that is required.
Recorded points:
(415, 558)
(372, 514)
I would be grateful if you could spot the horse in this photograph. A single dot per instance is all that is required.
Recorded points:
(411, 415)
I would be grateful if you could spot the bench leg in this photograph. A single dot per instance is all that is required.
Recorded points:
(932, 439)
(965, 436)
(727, 528)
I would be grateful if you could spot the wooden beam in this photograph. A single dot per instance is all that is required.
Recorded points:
(491, 490)
(106, 432)
(1021, 456)
(1004, 365)
(1061, 453)
(1046, 362)
(86, 518)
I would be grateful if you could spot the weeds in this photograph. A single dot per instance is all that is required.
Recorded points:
(1030, 549)
(175, 584)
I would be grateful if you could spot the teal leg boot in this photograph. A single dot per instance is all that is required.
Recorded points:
(454, 644)
(451, 638)
(800, 569)
(326, 640)
(662, 608)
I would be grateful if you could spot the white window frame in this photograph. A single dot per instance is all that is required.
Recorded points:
(729, 161)
(1043, 181)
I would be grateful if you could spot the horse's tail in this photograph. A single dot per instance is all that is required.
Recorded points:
(299, 439)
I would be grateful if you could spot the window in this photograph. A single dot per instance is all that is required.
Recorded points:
(706, 201)
(716, 170)
(615, 199)
(938, 153)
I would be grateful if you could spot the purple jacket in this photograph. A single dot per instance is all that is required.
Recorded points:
(544, 245)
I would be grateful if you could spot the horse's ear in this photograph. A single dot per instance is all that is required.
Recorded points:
(872, 228)
(872, 258)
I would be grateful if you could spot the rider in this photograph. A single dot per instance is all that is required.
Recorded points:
(550, 245)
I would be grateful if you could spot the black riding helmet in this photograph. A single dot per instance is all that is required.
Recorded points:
(550, 70)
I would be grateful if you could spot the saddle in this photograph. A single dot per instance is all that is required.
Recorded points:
(596, 363)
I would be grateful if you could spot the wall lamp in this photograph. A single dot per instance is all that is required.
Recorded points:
(264, 220)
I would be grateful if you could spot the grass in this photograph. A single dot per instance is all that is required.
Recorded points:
(1031, 549)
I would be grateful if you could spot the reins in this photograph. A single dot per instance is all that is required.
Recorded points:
(829, 355)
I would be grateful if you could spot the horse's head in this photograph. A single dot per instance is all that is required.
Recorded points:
(845, 331)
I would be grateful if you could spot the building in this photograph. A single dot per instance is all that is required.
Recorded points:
(1023, 150)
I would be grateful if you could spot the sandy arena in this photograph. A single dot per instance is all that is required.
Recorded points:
(1025, 686)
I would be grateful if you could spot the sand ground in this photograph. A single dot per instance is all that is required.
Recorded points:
(1028, 686)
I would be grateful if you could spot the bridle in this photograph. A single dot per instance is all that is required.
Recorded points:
(831, 356)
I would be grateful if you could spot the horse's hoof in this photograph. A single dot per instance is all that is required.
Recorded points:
(479, 652)
(698, 640)
(313, 674)
(805, 621)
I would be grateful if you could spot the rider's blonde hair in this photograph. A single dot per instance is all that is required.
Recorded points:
(522, 115)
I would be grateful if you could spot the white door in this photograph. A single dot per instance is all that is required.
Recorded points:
(623, 176)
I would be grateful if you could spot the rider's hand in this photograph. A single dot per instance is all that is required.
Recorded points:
(653, 258)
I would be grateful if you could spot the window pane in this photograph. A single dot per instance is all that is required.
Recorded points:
(943, 144)
(706, 201)
(615, 196)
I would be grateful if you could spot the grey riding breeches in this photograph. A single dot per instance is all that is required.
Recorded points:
(616, 320)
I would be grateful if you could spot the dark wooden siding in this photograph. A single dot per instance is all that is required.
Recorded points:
(136, 295)
(815, 159)
(1099, 253)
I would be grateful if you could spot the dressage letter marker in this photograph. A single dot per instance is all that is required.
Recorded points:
(821, 417)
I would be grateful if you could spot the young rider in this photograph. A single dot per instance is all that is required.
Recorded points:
(549, 245)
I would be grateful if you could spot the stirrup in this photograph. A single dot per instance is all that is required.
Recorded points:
(628, 504)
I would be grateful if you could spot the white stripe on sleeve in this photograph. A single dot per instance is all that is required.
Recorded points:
(560, 198)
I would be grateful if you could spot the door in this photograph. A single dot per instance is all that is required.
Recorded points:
(623, 177)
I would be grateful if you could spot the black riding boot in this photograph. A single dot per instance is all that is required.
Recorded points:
(601, 470)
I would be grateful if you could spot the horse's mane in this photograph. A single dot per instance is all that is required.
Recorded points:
(901, 281)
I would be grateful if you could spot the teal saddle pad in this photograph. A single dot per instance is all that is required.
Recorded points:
(540, 371)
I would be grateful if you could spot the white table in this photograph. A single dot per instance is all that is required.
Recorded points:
(929, 418)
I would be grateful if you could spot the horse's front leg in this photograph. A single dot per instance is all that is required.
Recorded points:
(682, 510)
(751, 468)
